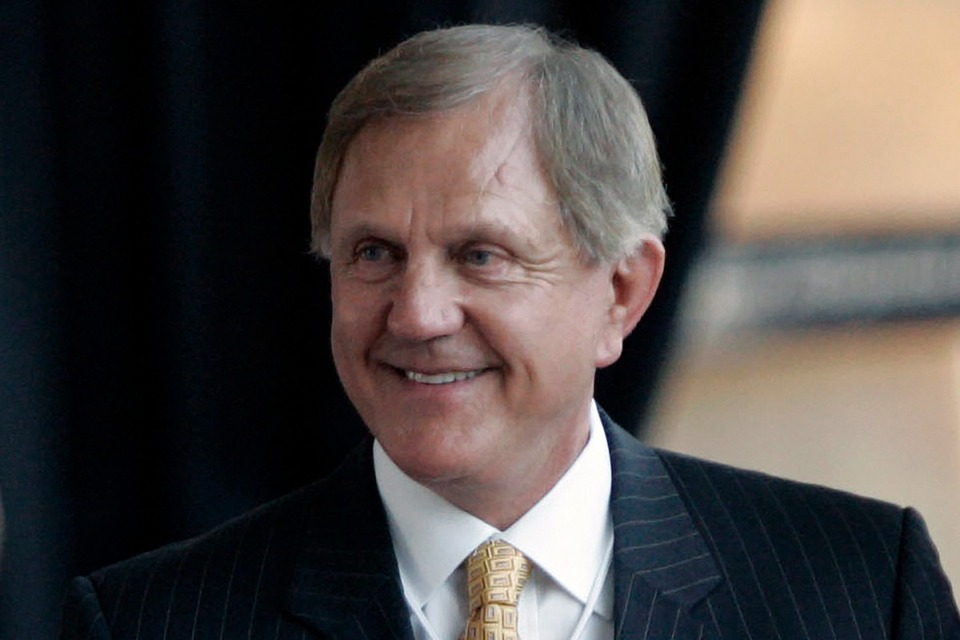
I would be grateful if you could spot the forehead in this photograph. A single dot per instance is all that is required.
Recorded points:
(485, 132)
(481, 154)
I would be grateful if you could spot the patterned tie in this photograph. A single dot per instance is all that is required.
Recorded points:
(496, 572)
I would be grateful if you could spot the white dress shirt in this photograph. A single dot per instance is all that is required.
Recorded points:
(568, 536)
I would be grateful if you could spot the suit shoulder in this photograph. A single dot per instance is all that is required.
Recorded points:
(731, 500)
(864, 560)
(704, 478)
(228, 581)
(264, 539)
(278, 518)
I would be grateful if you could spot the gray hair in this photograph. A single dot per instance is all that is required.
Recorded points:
(589, 126)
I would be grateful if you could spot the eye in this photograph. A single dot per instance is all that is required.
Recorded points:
(478, 257)
(371, 252)
(373, 260)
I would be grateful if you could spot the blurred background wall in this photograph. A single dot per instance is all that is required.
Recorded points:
(164, 362)
(821, 336)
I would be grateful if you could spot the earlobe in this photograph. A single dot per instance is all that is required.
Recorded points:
(635, 279)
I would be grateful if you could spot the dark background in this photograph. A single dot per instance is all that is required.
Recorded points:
(163, 333)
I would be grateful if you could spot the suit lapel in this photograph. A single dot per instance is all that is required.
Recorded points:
(345, 582)
(662, 566)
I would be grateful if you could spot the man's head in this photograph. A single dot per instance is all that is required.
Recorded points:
(589, 126)
(472, 302)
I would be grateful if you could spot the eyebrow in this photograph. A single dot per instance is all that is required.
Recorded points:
(355, 234)
(492, 230)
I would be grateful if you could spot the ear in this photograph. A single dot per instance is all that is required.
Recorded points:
(634, 279)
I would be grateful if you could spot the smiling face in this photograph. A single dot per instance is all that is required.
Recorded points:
(467, 327)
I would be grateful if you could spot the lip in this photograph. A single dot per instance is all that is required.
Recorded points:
(436, 376)
(441, 377)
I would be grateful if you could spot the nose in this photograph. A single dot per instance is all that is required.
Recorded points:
(426, 304)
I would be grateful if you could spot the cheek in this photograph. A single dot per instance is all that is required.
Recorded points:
(542, 338)
(350, 335)
(352, 302)
(608, 350)
(352, 322)
(576, 333)
(339, 342)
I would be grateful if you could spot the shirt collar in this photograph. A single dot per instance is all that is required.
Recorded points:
(432, 537)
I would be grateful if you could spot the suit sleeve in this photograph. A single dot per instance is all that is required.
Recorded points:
(82, 617)
(925, 606)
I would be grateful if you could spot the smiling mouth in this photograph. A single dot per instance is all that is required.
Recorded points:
(445, 377)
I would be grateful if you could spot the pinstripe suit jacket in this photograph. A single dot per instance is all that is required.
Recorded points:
(701, 551)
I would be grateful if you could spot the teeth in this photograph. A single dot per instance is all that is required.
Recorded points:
(441, 378)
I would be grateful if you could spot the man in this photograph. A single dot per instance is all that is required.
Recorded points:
(490, 203)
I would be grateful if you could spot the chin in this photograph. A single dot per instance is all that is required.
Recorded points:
(431, 456)
(430, 467)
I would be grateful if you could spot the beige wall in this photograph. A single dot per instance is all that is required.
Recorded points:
(850, 123)
(874, 411)
(850, 127)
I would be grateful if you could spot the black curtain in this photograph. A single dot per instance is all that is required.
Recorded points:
(163, 334)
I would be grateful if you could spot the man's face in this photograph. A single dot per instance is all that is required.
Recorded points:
(466, 326)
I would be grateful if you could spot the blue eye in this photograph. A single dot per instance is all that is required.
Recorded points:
(478, 257)
(371, 252)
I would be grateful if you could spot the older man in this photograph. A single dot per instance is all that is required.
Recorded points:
(490, 203)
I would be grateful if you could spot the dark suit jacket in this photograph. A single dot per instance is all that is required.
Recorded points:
(701, 551)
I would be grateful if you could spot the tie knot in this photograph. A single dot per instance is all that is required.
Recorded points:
(496, 572)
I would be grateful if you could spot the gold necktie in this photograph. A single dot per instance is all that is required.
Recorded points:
(496, 572)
